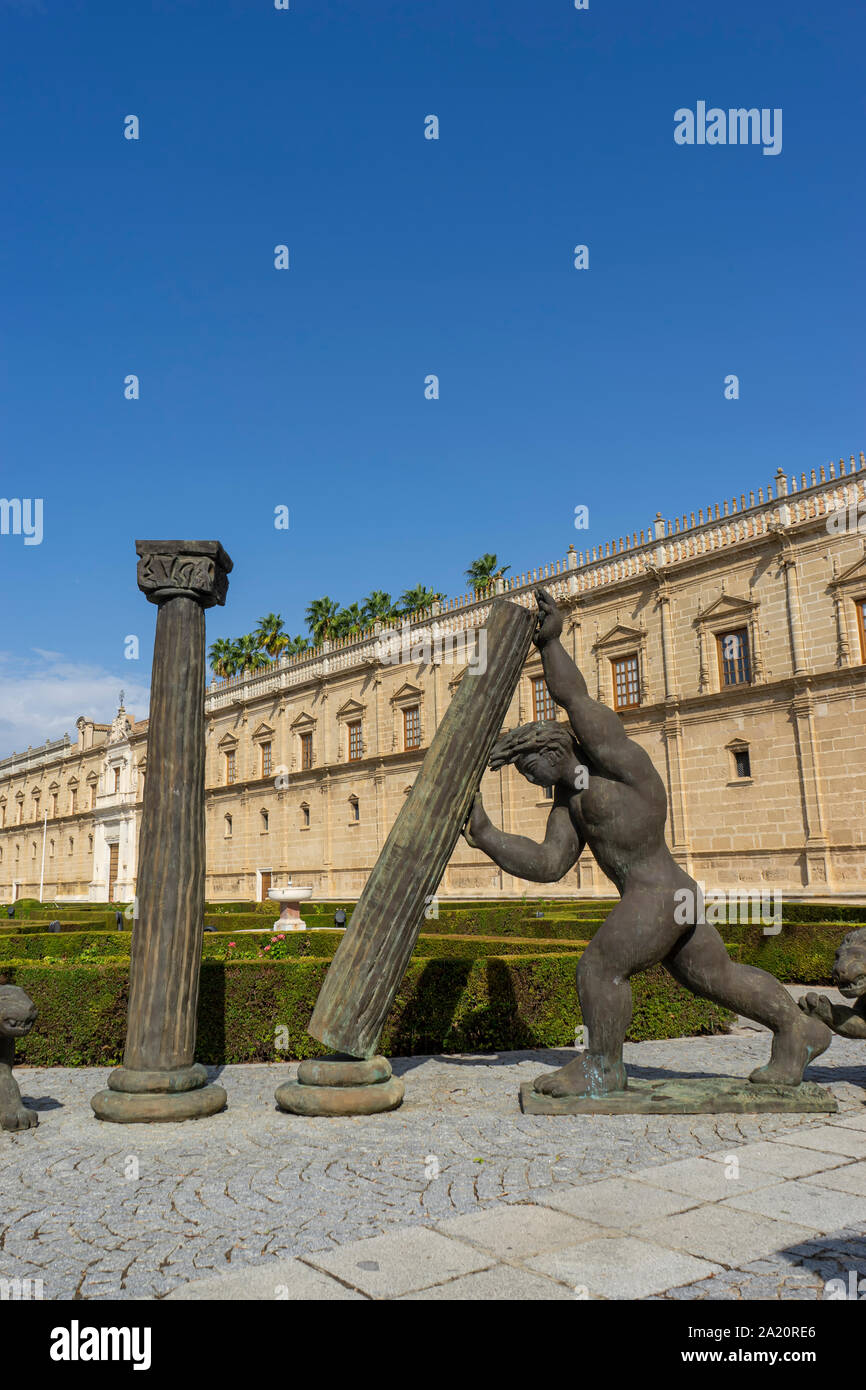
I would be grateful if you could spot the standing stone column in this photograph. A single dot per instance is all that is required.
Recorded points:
(159, 1079)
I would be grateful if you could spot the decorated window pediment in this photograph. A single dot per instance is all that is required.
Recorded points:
(228, 742)
(407, 694)
(853, 577)
(621, 634)
(262, 731)
(351, 710)
(304, 723)
(727, 609)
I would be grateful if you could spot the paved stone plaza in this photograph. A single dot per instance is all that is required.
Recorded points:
(455, 1195)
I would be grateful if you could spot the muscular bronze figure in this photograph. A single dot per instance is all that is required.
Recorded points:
(608, 795)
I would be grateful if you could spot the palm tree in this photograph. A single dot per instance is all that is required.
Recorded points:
(378, 607)
(236, 657)
(482, 572)
(321, 618)
(220, 656)
(250, 657)
(413, 600)
(295, 645)
(349, 621)
(270, 635)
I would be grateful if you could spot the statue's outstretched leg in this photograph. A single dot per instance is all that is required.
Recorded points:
(700, 962)
(636, 935)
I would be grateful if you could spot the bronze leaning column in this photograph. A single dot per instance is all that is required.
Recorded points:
(159, 1079)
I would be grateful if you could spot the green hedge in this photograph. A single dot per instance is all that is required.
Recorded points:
(823, 912)
(263, 921)
(547, 929)
(799, 955)
(498, 1004)
(101, 922)
(89, 946)
(30, 908)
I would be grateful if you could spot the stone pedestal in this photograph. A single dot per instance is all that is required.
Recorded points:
(159, 1079)
(290, 919)
(341, 1086)
(685, 1095)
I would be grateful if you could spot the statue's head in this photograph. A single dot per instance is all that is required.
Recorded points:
(17, 1012)
(849, 967)
(544, 753)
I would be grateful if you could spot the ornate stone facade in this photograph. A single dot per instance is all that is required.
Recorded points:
(733, 644)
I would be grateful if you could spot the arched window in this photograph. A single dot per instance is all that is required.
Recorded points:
(354, 809)
(71, 845)
(305, 816)
(50, 849)
(265, 822)
(228, 821)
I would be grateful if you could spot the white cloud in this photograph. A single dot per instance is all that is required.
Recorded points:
(42, 695)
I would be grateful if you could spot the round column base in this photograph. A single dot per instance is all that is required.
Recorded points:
(138, 1080)
(341, 1086)
(151, 1097)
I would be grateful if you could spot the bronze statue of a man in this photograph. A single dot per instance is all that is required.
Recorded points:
(608, 795)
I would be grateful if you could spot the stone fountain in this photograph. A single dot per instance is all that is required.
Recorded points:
(290, 918)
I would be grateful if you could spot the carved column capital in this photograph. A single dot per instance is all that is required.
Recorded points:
(191, 569)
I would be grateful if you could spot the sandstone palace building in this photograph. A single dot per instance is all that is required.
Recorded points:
(731, 642)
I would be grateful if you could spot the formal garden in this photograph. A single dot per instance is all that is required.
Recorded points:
(484, 977)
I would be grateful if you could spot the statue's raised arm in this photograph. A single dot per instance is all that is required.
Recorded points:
(598, 730)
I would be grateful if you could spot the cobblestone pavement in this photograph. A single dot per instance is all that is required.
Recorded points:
(102, 1211)
(800, 1271)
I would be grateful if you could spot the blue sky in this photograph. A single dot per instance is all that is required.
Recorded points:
(305, 387)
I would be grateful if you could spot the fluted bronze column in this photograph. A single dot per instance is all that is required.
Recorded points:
(159, 1079)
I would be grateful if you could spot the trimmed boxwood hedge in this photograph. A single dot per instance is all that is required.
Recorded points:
(824, 912)
(484, 922)
(548, 929)
(103, 922)
(28, 908)
(450, 1005)
(72, 946)
(800, 954)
